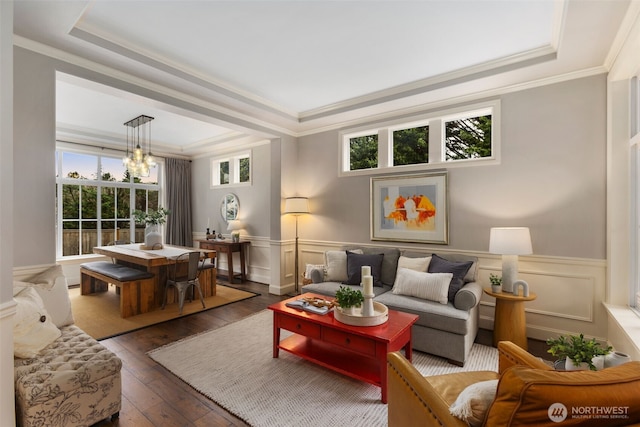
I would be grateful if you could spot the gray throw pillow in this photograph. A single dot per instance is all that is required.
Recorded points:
(458, 269)
(354, 267)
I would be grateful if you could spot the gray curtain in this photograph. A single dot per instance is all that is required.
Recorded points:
(179, 225)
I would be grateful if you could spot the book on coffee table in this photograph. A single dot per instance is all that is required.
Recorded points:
(302, 304)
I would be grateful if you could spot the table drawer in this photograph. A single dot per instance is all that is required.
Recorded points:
(348, 341)
(300, 326)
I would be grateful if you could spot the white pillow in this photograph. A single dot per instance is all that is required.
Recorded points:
(417, 264)
(473, 402)
(52, 287)
(336, 262)
(429, 286)
(33, 328)
(310, 267)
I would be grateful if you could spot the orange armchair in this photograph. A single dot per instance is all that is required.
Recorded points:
(527, 388)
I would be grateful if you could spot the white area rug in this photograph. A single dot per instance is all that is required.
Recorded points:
(234, 367)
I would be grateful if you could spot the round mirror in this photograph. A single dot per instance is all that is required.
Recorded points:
(229, 207)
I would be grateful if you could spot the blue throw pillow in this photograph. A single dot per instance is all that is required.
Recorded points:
(354, 267)
(458, 269)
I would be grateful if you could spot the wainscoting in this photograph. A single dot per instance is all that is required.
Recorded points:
(570, 291)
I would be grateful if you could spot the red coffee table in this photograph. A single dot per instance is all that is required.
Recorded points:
(359, 352)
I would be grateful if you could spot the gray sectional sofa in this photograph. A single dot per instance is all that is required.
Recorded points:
(445, 330)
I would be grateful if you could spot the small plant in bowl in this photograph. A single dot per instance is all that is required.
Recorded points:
(496, 282)
(349, 298)
(576, 350)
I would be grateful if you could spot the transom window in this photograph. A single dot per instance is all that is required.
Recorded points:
(95, 196)
(235, 169)
(459, 136)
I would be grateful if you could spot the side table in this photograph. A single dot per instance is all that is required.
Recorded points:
(228, 247)
(509, 322)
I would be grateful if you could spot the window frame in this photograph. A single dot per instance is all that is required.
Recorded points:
(634, 162)
(435, 120)
(234, 170)
(61, 181)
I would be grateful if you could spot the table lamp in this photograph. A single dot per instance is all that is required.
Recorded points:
(510, 242)
(235, 226)
(296, 206)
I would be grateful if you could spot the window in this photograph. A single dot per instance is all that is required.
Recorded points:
(468, 138)
(231, 170)
(411, 146)
(363, 152)
(459, 136)
(94, 208)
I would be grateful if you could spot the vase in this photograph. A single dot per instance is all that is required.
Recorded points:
(496, 288)
(616, 358)
(570, 365)
(152, 236)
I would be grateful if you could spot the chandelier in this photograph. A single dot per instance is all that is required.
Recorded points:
(138, 131)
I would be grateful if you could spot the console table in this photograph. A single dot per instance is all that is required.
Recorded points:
(228, 247)
(509, 323)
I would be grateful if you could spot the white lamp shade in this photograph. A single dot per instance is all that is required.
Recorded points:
(296, 205)
(234, 225)
(510, 241)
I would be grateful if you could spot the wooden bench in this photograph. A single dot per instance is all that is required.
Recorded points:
(136, 287)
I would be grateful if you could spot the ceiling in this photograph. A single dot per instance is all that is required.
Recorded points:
(216, 74)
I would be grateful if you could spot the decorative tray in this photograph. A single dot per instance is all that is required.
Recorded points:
(381, 315)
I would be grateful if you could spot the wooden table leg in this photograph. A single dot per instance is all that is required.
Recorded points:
(243, 274)
(230, 263)
(510, 323)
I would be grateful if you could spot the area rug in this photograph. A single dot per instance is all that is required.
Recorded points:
(234, 367)
(99, 314)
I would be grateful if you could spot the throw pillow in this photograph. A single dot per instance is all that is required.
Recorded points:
(310, 267)
(458, 269)
(429, 286)
(336, 262)
(33, 329)
(473, 402)
(354, 267)
(52, 287)
(417, 264)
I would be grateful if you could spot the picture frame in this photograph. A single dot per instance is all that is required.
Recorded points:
(410, 208)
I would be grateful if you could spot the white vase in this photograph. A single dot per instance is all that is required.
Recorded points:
(598, 362)
(616, 358)
(570, 365)
(152, 236)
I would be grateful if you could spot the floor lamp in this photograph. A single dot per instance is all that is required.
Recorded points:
(296, 206)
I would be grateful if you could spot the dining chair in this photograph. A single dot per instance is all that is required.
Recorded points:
(181, 280)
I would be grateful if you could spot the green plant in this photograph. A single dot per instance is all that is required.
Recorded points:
(348, 297)
(151, 217)
(495, 280)
(577, 348)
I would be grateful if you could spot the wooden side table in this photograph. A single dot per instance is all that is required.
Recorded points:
(228, 247)
(509, 322)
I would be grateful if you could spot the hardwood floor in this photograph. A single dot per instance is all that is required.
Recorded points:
(152, 396)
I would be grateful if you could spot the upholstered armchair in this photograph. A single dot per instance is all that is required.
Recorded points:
(528, 392)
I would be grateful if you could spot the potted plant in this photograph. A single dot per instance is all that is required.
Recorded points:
(496, 282)
(348, 298)
(152, 219)
(578, 352)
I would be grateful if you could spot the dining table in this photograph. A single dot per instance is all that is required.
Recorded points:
(157, 262)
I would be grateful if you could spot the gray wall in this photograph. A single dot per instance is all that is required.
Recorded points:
(33, 154)
(254, 199)
(551, 178)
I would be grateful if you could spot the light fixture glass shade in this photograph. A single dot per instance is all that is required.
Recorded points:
(296, 205)
(510, 241)
(138, 132)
